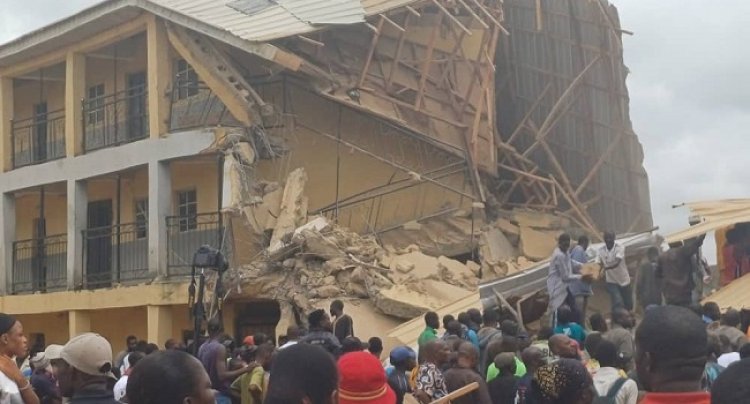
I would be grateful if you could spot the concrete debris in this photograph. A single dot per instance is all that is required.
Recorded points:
(402, 273)
(293, 208)
(539, 220)
(537, 244)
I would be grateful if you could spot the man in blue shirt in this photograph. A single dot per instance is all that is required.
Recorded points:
(580, 290)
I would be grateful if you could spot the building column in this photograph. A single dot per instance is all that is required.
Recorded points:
(75, 92)
(159, 77)
(77, 210)
(6, 126)
(7, 237)
(159, 207)
(160, 324)
(79, 322)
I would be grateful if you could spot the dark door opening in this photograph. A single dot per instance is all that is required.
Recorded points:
(39, 142)
(99, 244)
(137, 117)
(258, 316)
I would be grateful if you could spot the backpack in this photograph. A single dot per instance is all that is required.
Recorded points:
(609, 398)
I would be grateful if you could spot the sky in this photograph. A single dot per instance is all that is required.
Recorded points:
(689, 92)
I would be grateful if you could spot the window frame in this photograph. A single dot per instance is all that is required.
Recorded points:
(187, 209)
(141, 218)
(186, 81)
(95, 104)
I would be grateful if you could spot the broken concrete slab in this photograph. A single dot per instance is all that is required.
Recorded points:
(293, 208)
(327, 291)
(537, 244)
(539, 220)
(319, 245)
(510, 230)
(494, 247)
(409, 301)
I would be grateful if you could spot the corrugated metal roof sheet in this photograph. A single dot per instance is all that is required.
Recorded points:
(734, 295)
(283, 19)
(713, 216)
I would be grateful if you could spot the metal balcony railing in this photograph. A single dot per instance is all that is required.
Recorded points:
(38, 139)
(185, 234)
(115, 254)
(115, 119)
(40, 265)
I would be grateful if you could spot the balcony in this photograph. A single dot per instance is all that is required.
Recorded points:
(185, 234)
(38, 139)
(115, 254)
(40, 265)
(115, 119)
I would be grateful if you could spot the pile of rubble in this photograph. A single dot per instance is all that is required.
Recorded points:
(280, 253)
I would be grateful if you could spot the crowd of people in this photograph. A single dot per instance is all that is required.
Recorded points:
(677, 353)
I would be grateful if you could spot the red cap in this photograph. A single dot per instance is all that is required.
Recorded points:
(362, 380)
(249, 341)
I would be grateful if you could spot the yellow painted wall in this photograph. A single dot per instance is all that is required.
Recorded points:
(358, 172)
(27, 209)
(116, 324)
(54, 326)
(199, 174)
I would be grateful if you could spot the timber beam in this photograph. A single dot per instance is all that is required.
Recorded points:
(217, 71)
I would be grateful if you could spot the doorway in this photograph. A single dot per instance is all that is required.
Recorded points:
(257, 316)
(39, 142)
(99, 244)
(137, 116)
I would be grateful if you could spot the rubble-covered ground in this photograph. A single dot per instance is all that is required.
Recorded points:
(308, 259)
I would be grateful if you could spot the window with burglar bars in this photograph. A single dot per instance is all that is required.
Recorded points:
(187, 80)
(187, 209)
(141, 218)
(96, 104)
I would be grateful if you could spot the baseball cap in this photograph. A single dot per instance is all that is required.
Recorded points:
(249, 341)
(362, 380)
(90, 353)
(401, 354)
(53, 351)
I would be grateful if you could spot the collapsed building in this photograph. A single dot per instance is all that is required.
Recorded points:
(395, 151)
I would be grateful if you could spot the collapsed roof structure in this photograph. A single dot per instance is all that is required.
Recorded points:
(419, 123)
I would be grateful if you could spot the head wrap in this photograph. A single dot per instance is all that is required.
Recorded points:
(6, 322)
(560, 382)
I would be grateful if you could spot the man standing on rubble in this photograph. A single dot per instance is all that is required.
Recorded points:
(560, 277)
(581, 290)
(611, 256)
(676, 271)
(343, 326)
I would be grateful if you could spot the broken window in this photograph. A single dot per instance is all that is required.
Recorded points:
(141, 218)
(187, 210)
(187, 80)
(96, 104)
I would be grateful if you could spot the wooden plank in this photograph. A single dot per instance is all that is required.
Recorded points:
(424, 71)
(99, 40)
(595, 168)
(452, 17)
(473, 14)
(538, 13)
(397, 56)
(530, 111)
(469, 388)
(371, 52)
(207, 62)
(544, 129)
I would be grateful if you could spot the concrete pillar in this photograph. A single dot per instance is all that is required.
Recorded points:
(6, 128)
(159, 324)
(159, 207)
(7, 237)
(77, 210)
(79, 322)
(75, 92)
(285, 319)
(159, 76)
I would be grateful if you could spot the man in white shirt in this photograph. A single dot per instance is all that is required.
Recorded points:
(608, 379)
(611, 256)
(292, 336)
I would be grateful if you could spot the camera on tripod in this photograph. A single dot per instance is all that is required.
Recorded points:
(210, 258)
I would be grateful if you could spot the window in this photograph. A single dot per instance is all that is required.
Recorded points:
(95, 104)
(187, 80)
(141, 218)
(187, 209)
